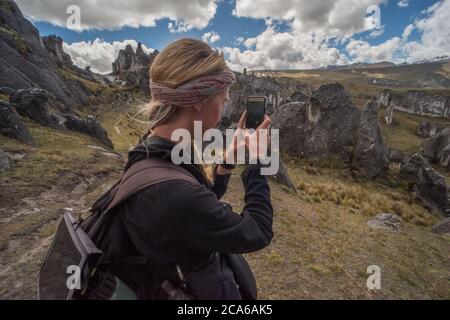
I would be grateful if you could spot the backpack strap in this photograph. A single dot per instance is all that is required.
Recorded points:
(145, 173)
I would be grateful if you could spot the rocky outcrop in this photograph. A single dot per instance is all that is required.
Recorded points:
(34, 104)
(327, 124)
(27, 61)
(318, 127)
(385, 221)
(417, 102)
(442, 227)
(54, 46)
(427, 129)
(12, 126)
(5, 161)
(89, 126)
(134, 67)
(398, 157)
(437, 148)
(428, 184)
(370, 153)
(282, 177)
(247, 85)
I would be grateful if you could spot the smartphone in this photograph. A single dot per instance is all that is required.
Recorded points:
(256, 110)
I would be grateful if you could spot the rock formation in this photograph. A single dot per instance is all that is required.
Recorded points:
(429, 185)
(134, 68)
(417, 102)
(27, 61)
(398, 157)
(370, 153)
(54, 46)
(245, 86)
(5, 161)
(12, 126)
(283, 178)
(427, 129)
(89, 126)
(328, 124)
(385, 221)
(442, 227)
(34, 104)
(437, 148)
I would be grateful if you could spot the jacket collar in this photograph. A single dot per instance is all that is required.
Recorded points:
(154, 146)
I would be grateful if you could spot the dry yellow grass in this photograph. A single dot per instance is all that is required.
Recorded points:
(322, 248)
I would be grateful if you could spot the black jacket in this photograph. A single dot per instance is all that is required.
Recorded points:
(177, 222)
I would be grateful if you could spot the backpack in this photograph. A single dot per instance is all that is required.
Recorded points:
(75, 268)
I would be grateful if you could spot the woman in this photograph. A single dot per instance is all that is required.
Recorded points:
(177, 222)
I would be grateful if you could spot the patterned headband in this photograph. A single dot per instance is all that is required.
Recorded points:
(194, 92)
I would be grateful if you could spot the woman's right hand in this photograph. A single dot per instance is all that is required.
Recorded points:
(250, 140)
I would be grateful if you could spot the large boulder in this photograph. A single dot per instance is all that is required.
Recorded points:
(428, 184)
(398, 157)
(417, 102)
(5, 161)
(370, 153)
(282, 177)
(324, 126)
(437, 148)
(12, 126)
(385, 221)
(90, 126)
(34, 104)
(427, 129)
(442, 227)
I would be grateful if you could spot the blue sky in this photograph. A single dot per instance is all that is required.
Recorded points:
(288, 35)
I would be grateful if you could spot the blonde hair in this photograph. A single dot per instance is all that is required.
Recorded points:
(177, 64)
(180, 62)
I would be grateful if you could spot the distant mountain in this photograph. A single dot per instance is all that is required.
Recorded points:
(385, 64)
(440, 59)
(360, 65)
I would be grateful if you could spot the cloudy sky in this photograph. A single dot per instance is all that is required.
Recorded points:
(256, 34)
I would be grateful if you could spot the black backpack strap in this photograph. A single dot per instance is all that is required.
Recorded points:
(141, 175)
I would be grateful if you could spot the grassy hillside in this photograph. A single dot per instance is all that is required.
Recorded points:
(367, 82)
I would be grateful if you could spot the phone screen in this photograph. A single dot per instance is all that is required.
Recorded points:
(256, 110)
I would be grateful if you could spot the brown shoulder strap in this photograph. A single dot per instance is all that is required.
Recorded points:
(145, 173)
(141, 175)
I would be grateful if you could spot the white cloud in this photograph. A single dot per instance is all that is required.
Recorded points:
(376, 33)
(115, 14)
(435, 33)
(98, 54)
(408, 30)
(314, 28)
(434, 40)
(283, 50)
(403, 3)
(329, 18)
(211, 37)
(362, 51)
